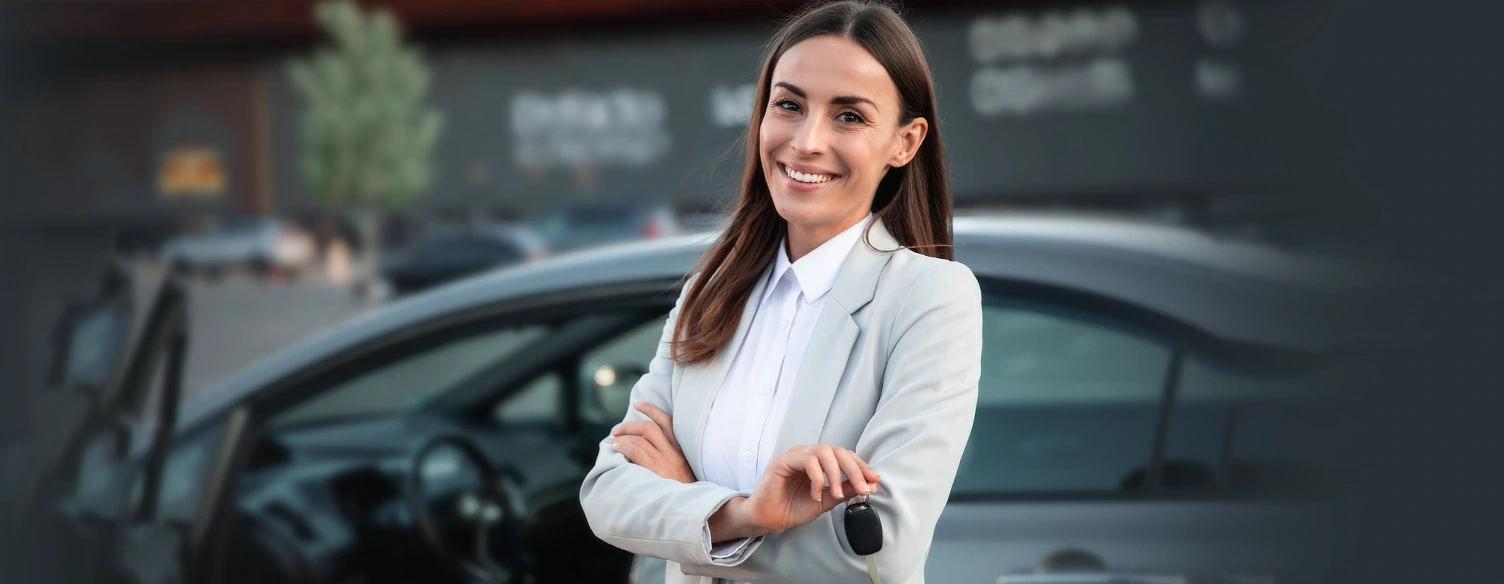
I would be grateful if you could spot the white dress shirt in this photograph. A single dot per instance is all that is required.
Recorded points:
(749, 408)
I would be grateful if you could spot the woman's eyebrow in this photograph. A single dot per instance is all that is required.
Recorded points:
(794, 89)
(837, 100)
(851, 100)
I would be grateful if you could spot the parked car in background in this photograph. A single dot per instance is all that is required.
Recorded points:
(261, 245)
(1153, 408)
(449, 256)
(573, 228)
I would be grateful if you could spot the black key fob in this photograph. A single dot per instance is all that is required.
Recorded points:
(864, 531)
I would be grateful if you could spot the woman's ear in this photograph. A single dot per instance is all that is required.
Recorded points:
(909, 139)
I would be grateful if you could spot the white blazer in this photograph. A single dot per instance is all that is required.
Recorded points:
(891, 373)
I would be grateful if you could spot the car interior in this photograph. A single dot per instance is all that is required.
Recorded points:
(457, 457)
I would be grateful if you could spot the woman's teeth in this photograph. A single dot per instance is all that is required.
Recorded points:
(806, 177)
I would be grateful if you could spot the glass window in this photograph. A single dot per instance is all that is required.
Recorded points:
(608, 372)
(1068, 401)
(101, 476)
(411, 381)
(1243, 427)
(540, 401)
(183, 476)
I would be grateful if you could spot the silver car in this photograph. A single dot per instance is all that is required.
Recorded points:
(1152, 408)
(260, 245)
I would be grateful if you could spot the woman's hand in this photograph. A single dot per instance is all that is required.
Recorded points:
(651, 444)
(793, 491)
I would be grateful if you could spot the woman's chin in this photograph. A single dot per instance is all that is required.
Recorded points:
(794, 215)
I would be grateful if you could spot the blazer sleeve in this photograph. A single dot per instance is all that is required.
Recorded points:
(633, 508)
(914, 440)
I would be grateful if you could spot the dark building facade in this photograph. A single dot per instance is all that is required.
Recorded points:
(1059, 104)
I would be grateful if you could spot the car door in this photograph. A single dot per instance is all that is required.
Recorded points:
(1068, 478)
(95, 511)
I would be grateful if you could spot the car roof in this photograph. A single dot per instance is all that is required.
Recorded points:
(1227, 289)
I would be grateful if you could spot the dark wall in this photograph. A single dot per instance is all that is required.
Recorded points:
(1090, 99)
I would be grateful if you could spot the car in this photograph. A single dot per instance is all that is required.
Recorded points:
(585, 226)
(1152, 408)
(449, 256)
(262, 245)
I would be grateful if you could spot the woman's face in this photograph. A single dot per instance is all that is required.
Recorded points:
(830, 132)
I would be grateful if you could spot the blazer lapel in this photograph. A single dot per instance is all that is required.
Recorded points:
(834, 335)
(700, 384)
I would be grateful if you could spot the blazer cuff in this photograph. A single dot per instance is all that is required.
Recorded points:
(731, 552)
(725, 549)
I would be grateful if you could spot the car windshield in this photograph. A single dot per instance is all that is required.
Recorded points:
(407, 383)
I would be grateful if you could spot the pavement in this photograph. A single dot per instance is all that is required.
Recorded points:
(238, 319)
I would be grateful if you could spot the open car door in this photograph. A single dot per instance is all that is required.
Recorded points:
(91, 517)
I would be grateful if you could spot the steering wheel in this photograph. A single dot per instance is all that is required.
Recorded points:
(450, 481)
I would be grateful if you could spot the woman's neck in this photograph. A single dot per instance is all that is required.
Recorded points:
(804, 238)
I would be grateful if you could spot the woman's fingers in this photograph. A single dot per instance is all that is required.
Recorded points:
(816, 477)
(827, 456)
(664, 421)
(648, 430)
(852, 466)
(635, 448)
(848, 487)
(823, 463)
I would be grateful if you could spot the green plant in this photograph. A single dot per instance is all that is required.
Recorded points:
(367, 135)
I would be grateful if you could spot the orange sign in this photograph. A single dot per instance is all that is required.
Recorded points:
(191, 170)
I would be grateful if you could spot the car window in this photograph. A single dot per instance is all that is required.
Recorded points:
(1068, 401)
(101, 477)
(1245, 427)
(608, 372)
(541, 400)
(411, 381)
(184, 475)
(440, 249)
(493, 249)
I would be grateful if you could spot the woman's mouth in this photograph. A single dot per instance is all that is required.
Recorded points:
(807, 178)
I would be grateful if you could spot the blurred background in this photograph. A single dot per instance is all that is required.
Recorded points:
(300, 166)
(184, 140)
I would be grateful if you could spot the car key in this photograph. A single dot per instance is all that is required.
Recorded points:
(864, 531)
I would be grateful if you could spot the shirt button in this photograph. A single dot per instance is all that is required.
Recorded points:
(747, 457)
(785, 324)
(765, 389)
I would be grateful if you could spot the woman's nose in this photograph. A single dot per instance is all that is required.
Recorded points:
(809, 137)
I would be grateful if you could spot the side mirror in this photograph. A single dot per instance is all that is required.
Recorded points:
(91, 336)
(612, 386)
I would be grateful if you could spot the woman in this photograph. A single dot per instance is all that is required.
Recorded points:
(824, 338)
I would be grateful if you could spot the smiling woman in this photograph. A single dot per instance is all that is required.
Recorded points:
(824, 337)
(826, 142)
(841, 128)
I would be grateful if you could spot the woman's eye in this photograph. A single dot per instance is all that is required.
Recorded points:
(786, 104)
(851, 118)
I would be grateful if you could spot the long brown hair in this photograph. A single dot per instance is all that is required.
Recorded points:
(913, 201)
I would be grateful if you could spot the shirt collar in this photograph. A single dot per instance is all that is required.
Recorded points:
(815, 273)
